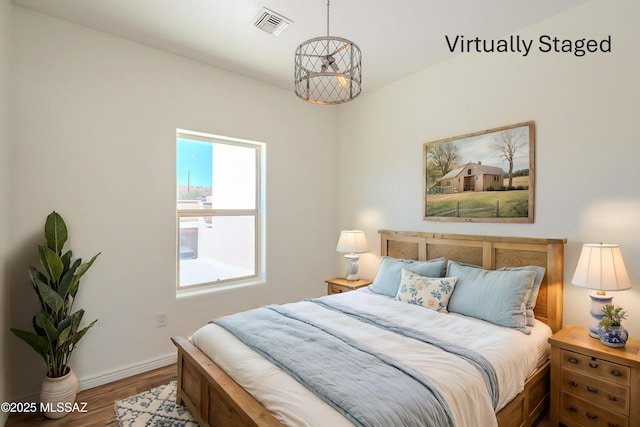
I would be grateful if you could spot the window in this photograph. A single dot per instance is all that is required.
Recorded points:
(219, 218)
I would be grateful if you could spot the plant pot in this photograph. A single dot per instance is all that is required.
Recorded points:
(57, 395)
(616, 336)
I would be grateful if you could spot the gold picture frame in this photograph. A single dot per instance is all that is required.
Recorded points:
(486, 176)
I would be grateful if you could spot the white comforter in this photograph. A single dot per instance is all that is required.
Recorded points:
(513, 355)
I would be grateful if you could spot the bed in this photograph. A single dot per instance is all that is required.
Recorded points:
(216, 399)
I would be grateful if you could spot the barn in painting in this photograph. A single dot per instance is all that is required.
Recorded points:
(474, 177)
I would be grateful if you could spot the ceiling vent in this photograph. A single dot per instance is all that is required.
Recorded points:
(271, 22)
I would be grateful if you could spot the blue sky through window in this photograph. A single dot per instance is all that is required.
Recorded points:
(194, 163)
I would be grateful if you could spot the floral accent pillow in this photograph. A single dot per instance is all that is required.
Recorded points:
(433, 293)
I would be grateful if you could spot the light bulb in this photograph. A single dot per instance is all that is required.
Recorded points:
(342, 79)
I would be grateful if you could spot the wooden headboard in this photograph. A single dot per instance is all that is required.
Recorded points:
(491, 253)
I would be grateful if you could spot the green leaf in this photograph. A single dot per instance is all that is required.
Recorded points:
(39, 331)
(80, 271)
(38, 277)
(50, 297)
(64, 324)
(80, 334)
(38, 343)
(84, 267)
(46, 322)
(55, 232)
(75, 320)
(51, 262)
(66, 259)
(36, 274)
(67, 280)
(64, 331)
(43, 258)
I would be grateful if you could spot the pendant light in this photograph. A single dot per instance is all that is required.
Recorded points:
(328, 70)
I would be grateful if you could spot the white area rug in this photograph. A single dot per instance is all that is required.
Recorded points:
(154, 408)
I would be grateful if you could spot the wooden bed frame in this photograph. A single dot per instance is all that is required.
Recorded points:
(216, 400)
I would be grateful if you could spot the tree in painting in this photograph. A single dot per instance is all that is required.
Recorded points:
(443, 157)
(506, 144)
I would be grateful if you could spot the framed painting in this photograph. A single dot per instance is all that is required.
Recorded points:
(486, 176)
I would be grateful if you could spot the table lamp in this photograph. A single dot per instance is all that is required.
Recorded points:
(353, 242)
(601, 268)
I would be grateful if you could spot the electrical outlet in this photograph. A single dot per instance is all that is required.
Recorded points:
(161, 320)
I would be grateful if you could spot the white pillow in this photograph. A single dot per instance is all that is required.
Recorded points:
(433, 293)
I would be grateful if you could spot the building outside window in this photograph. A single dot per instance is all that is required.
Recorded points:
(219, 210)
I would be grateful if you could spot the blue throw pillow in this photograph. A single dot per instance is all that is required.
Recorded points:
(495, 296)
(533, 296)
(387, 281)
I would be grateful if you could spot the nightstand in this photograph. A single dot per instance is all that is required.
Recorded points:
(593, 384)
(339, 285)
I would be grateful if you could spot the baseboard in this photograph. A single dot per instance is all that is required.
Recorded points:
(85, 383)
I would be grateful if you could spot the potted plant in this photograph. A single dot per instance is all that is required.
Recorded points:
(611, 331)
(56, 326)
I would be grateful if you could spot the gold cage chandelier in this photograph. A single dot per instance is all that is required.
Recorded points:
(328, 70)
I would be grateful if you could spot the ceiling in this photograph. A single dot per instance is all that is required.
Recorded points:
(397, 38)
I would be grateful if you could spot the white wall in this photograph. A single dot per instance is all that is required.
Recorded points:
(4, 193)
(94, 121)
(585, 110)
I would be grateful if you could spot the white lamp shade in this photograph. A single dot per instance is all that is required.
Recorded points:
(601, 267)
(352, 241)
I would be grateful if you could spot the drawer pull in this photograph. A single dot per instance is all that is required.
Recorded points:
(613, 398)
(573, 384)
(615, 373)
(593, 417)
(613, 425)
(593, 365)
(592, 390)
(573, 409)
(573, 360)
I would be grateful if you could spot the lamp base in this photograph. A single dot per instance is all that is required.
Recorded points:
(598, 301)
(352, 266)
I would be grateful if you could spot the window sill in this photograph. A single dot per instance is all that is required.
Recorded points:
(210, 289)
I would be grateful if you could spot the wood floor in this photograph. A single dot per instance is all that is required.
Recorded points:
(100, 401)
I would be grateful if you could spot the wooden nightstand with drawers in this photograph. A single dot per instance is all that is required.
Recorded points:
(593, 385)
(338, 285)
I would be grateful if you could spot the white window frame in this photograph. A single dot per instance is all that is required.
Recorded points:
(258, 213)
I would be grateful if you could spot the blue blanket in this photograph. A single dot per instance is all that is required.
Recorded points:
(474, 358)
(338, 368)
(368, 388)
